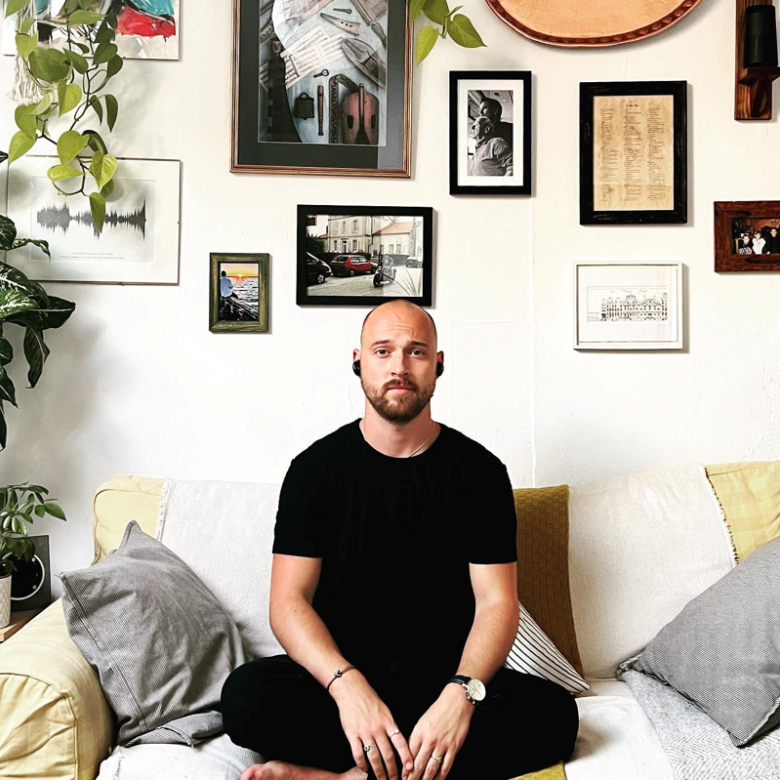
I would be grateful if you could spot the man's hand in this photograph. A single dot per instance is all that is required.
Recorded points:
(440, 732)
(366, 720)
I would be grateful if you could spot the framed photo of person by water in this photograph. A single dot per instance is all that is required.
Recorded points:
(239, 293)
(747, 236)
(633, 153)
(490, 132)
(363, 255)
(321, 87)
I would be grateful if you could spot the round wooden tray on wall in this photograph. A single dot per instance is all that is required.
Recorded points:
(592, 23)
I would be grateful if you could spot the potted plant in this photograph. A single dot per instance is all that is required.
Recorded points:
(18, 504)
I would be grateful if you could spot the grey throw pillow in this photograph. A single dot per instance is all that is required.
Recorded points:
(158, 639)
(722, 652)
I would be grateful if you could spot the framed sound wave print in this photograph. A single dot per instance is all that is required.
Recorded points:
(139, 243)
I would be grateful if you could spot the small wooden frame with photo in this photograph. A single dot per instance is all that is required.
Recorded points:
(747, 235)
(239, 293)
(490, 132)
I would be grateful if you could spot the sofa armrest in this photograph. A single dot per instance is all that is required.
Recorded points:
(55, 723)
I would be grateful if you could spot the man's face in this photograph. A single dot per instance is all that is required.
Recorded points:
(398, 362)
(481, 128)
(490, 110)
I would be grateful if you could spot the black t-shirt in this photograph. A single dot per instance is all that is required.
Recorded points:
(396, 536)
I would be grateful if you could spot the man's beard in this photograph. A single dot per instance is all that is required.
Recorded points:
(404, 407)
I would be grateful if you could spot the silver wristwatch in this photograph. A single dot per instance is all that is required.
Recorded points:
(475, 689)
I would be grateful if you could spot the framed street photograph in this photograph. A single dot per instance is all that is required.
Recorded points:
(490, 132)
(239, 293)
(633, 153)
(321, 87)
(361, 255)
(628, 305)
(139, 243)
(747, 235)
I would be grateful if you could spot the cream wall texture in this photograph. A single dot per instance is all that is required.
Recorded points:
(137, 383)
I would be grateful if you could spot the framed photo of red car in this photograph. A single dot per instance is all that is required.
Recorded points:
(490, 132)
(239, 293)
(747, 235)
(321, 87)
(363, 255)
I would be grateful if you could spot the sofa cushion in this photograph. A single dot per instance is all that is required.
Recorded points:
(160, 641)
(722, 652)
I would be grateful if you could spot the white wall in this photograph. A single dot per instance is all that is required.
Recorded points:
(137, 383)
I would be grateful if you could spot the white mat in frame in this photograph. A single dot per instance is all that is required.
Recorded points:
(139, 243)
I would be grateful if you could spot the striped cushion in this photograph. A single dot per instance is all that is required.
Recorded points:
(534, 653)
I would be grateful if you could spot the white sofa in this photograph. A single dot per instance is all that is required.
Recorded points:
(635, 551)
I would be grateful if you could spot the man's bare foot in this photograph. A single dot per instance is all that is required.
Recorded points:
(278, 770)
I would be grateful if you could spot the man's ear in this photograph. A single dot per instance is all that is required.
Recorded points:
(355, 355)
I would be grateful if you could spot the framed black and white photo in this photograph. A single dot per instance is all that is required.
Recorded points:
(628, 305)
(490, 132)
(321, 87)
(239, 293)
(633, 153)
(139, 243)
(361, 255)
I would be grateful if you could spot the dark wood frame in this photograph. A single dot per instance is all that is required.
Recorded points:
(426, 212)
(725, 259)
(247, 154)
(504, 75)
(263, 293)
(752, 86)
(679, 214)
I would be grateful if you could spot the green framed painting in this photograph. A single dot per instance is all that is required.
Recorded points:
(239, 293)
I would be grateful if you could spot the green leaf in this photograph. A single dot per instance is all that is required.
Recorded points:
(39, 510)
(84, 17)
(27, 25)
(415, 6)
(6, 352)
(84, 4)
(54, 510)
(96, 143)
(48, 64)
(463, 33)
(69, 96)
(21, 143)
(114, 66)
(70, 145)
(25, 44)
(426, 40)
(76, 60)
(14, 6)
(25, 121)
(103, 168)
(43, 105)
(104, 34)
(39, 242)
(36, 352)
(7, 233)
(97, 204)
(54, 315)
(107, 189)
(13, 279)
(94, 102)
(63, 172)
(104, 53)
(82, 47)
(3, 157)
(436, 10)
(7, 390)
(13, 302)
(112, 109)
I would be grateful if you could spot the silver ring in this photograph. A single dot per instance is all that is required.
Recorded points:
(393, 733)
(366, 748)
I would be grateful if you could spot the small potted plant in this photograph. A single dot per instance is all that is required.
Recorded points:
(18, 504)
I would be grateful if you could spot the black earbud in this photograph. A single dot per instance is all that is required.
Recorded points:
(439, 368)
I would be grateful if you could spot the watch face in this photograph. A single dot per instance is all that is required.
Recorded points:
(476, 689)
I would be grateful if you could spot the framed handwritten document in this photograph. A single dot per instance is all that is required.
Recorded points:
(633, 153)
(321, 87)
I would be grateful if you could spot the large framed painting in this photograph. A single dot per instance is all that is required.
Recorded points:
(239, 293)
(747, 235)
(139, 243)
(321, 86)
(363, 255)
(490, 132)
(633, 153)
(146, 29)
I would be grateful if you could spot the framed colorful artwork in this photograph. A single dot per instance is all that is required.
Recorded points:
(633, 153)
(321, 87)
(747, 235)
(239, 293)
(361, 255)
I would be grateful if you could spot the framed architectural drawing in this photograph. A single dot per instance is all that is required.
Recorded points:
(139, 243)
(239, 293)
(362, 255)
(747, 236)
(628, 305)
(321, 87)
(633, 153)
(490, 132)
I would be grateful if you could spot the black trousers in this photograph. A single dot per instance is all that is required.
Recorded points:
(276, 708)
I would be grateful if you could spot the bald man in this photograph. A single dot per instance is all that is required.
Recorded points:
(394, 593)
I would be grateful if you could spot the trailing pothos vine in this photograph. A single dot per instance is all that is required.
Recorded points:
(66, 84)
(458, 26)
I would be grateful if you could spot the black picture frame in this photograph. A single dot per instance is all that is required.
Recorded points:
(365, 294)
(456, 117)
(251, 41)
(678, 214)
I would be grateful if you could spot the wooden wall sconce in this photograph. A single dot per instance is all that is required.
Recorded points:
(753, 89)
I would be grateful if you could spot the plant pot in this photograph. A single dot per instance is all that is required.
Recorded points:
(5, 600)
